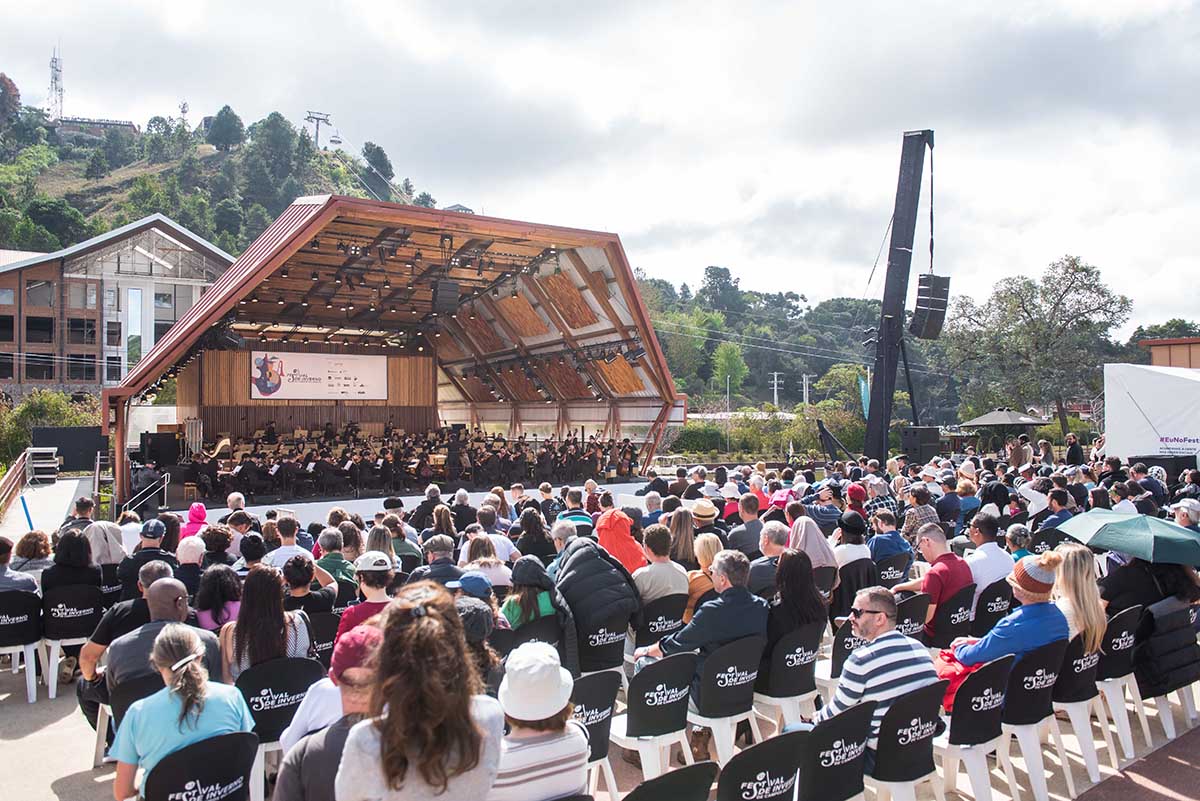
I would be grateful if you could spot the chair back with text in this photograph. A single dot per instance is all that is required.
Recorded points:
(110, 585)
(322, 627)
(824, 577)
(71, 612)
(347, 595)
(409, 562)
(979, 703)
(1029, 698)
(831, 756)
(122, 696)
(685, 784)
(658, 696)
(952, 619)
(1045, 539)
(274, 689)
(545, 629)
(892, 569)
(20, 618)
(764, 771)
(1077, 677)
(844, 643)
(910, 614)
(660, 617)
(594, 696)
(994, 603)
(727, 679)
(602, 646)
(792, 667)
(852, 577)
(1116, 656)
(905, 749)
(216, 769)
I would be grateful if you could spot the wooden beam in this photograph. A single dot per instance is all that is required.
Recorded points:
(481, 361)
(348, 263)
(565, 330)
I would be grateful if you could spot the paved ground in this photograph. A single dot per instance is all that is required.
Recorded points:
(49, 504)
(47, 750)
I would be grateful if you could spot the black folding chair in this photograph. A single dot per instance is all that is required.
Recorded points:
(655, 719)
(893, 569)
(1045, 539)
(904, 752)
(1114, 676)
(273, 690)
(347, 595)
(602, 647)
(787, 687)
(219, 767)
(409, 562)
(764, 771)
(594, 697)
(994, 603)
(322, 628)
(975, 729)
(545, 629)
(952, 618)
(691, 783)
(502, 641)
(69, 616)
(1028, 707)
(660, 617)
(831, 756)
(828, 671)
(726, 693)
(120, 698)
(1076, 693)
(910, 614)
(20, 634)
(824, 577)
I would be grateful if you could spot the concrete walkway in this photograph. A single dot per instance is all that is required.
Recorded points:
(49, 505)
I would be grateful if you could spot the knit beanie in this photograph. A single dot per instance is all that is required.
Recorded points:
(1034, 575)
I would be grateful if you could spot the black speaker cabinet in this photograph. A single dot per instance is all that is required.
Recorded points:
(445, 297)
(921, 443)
(933, 295)
(160, 448)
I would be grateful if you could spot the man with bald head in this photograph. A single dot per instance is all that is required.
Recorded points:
(129, 654)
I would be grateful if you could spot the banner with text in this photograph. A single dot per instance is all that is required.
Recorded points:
(317, 376)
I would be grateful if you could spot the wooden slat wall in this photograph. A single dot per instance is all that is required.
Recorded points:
(521, 317)
(519, 386)
(244, 420)
(481, 334)
(620, 376)
(187, 391)
(568, 301)
(565, 380)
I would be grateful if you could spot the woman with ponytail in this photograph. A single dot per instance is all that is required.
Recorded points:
(1036, 622)
(188, 709)
(432, 734)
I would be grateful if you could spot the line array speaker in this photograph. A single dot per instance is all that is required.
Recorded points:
(933, 295)
(445, 297)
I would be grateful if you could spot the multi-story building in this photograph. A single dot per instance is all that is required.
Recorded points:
(79, 318)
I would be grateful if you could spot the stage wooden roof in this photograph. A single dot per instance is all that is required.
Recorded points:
(539, 313)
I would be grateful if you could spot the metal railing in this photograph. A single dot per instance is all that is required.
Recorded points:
(139, 498)
(12, 484)
(103, 486)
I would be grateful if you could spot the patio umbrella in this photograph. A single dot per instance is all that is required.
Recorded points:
(1150, 538)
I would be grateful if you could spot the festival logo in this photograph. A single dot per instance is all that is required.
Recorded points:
(732, 677)
(767, 786)
(960, 616)
(590, 717)
(800, 657)
(662, 695)
(997, 605)
(1041, 680)
(13, 620)
(664, 625)
(989, 700)
(916, 729)
(267, 699)
(890, 573)
(64, 612)
(270, 374)
(1122, 642)
(195, 791)
(909, 627)
(1086, 662)
(841, 753)
(605, 637)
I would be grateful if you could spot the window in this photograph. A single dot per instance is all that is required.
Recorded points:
(110, 298)
(164, 302)
(112, 333)
(133, 326)
(39, 367)
(81, 367)
(6, 328)
(39, 293)
(161, 328)
(81, 331)
(81, 295)
(7, 297)
(92, 292)
(112, 369)
(39, 329)
(7, 370)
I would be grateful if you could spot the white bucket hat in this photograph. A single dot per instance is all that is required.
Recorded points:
(535, 685)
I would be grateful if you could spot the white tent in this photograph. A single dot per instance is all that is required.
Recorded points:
(1151, 411)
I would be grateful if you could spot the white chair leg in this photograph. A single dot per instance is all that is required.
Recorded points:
(1165, 716)
(258, 777)
(1081, 723)
(1139, 706)
(686, 749)
(1056, 733)
(52, 668)
(30, 652)
(1098, 706)
(101, 736)
(950, 770)
(975, 761)
(1188, 699)
(610, 781)
(722, 738)
(1114, 695)
(758, 738)
(1004, 757)
(939, 793)
(1031, 750)
(651, 761)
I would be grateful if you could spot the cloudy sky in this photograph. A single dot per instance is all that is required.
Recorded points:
(761, 136)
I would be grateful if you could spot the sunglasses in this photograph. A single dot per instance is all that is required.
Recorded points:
(857, 613)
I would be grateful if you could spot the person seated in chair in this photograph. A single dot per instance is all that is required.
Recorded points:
(947, 573)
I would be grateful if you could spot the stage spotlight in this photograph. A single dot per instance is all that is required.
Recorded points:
(635, 354)
(254, 300)
(304, 303)
(341, 246)
(495, 292)
(447, 241)
(315, 243)
(610, 357)
(283, 273)
(315, 276)
(387, 282)
(329, 304)
(514, 289)
(279, 301)
(337, 279)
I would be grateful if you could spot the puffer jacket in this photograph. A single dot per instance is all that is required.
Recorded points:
(530, 570)
(596, 585)
(197, 519)
(1166, 656)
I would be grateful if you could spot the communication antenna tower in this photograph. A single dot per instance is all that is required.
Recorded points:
(54, 98)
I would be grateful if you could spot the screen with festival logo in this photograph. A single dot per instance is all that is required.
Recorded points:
(277, 375)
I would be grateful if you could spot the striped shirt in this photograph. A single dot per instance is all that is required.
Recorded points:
(882, 670)
(550, 765)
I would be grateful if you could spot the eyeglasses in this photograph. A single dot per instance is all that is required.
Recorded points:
(857, 613)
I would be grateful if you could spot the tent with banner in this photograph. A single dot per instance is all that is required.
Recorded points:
(1151, 411)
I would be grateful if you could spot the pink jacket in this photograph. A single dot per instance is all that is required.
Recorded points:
(197, 518)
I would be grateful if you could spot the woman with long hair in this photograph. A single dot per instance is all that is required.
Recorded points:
(1077, 595)
(526, 602)
(700, 581)
(352, 540)
(263, 630)
(185, 711)
(432, 733)
(443, 523)
(72, 563)
(174, 525)
(503, 510)
(797, 602)
(683, 539)
(1098, 498)
(481, 556)
(534, 539)
(218, 597)
(379, 539)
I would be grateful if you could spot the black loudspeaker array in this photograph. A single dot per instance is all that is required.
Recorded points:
(921, 443)
(933, 294)
(445, 297)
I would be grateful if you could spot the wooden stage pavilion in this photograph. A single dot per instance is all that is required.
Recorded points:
(480, 321)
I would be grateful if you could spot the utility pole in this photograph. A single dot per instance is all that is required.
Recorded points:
(775, 387)
(317, 117)
(807, 376)
(728, 420)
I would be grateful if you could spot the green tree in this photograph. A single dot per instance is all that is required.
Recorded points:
(840, 384)
(156, 140)
(425, 200)
(59, 218)
(120, 148)
(42, 407)
(189, 170)
(225, 183)
(97, 166)
(257, 220)
(274, 140)
(406, 186)
(729, 364)
(228, 217)
(227, 130)
(1043, 340)
(379, 170)
(258, 186)
(720, 291)
(146, 197)
(18, 232)
(306, 153)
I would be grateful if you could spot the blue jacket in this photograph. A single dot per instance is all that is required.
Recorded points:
(1055, 520)
(889, 544)
(1026, 629)
(734, 614)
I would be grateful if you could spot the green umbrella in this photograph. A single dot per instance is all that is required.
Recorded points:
(1150, 538)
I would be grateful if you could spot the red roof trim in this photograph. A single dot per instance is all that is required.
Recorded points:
(1177, 341)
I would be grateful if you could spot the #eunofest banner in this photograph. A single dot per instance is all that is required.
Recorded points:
(316, 376)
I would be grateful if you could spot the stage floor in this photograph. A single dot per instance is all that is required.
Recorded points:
(308, 510)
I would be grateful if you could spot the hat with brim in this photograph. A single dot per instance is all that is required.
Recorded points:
(730, 490)
(535, 686)
(704, 510)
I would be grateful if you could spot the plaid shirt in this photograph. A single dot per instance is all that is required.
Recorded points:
(882, 502)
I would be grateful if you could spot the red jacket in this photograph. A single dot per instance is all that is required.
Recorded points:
(613, 533)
